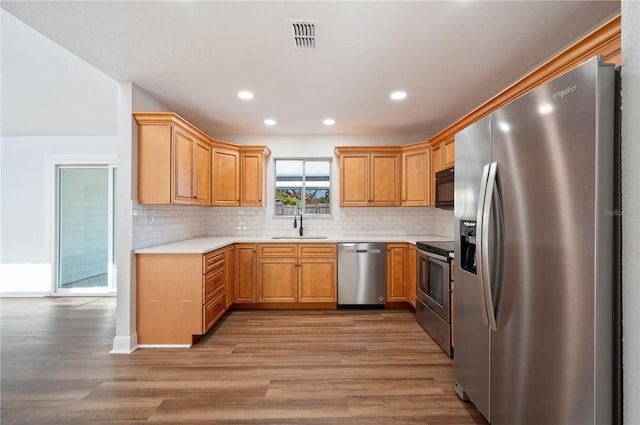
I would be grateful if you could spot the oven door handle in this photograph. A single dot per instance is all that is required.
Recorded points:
(431, 254)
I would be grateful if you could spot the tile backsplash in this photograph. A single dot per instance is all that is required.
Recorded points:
(154, 225)
(159, 224)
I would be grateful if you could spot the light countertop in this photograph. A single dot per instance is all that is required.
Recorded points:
(210, 243)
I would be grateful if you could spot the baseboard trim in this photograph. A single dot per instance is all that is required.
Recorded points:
(164, 345)
(124, 344)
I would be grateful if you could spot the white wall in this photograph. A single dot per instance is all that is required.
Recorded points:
(47, 91)
(27, 181)
(631, 207)
(54, 106)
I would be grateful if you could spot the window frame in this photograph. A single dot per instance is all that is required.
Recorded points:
(303, 188)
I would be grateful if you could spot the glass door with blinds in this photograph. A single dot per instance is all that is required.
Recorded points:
(85, 229)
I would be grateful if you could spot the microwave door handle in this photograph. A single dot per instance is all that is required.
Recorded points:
(479, 245)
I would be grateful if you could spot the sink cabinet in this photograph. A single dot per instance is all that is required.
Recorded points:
(304, 273)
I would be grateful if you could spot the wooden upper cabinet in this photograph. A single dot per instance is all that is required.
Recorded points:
(182, 167)
(191, 168)
(416, 177)
(252, 175)
(226, 177)
(369, 178)
(442, 156)
(448, 153)
(201, 172)
(385, 180)
(179, 164)
(354, 180)
(174, 161)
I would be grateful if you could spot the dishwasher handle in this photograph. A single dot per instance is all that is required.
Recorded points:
(368, 251)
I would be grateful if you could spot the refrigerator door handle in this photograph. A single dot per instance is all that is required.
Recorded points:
(480, 251)
(492, 279)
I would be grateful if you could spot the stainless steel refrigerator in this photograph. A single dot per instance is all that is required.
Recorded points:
(534, 254)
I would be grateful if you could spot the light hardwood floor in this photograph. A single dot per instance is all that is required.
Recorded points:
(254, 367)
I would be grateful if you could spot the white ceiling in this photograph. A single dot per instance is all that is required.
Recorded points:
(450, 56)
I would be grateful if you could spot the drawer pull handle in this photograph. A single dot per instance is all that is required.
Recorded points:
(217, 279)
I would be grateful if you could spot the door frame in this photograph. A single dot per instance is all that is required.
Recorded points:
(96, 161)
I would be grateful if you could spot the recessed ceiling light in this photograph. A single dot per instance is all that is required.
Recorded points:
(398, 95)
(245, 95)
(270, 121)
(329, 121)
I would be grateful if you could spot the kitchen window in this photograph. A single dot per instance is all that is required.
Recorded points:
(303, 186)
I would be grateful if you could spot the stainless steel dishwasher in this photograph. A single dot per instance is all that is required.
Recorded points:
(362, 274)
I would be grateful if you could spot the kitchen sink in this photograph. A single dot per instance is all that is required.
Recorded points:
(298, 237)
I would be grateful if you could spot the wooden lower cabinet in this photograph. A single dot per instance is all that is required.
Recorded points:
(179, 296)
(230, 286)
(245, 278)
(411, 275)
(289, 273)
(397, 272)
(277, 280)
(213, 310)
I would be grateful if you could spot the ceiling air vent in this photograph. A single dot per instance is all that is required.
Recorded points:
(305, 34)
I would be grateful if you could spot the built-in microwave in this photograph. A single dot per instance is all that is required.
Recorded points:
(444, 188)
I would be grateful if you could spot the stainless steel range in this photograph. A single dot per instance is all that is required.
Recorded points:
(433, 291)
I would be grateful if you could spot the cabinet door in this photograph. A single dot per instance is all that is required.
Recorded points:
(251, 179)
(230, 265)
(385, 180)
(154, 164)
(245, 290)
(317, 279)
(226, 177)
(448, 153)
(183, 190)
(354, 180)
(396, 272)
(436, 158)
(436, 165)
(201, 172)
(411, 275)
(277, 280)
(416, 177)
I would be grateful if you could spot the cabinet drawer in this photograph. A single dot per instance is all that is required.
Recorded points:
(212, 260)
(277, 250)
(213, 284)
(212, 311)
(316, 250)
